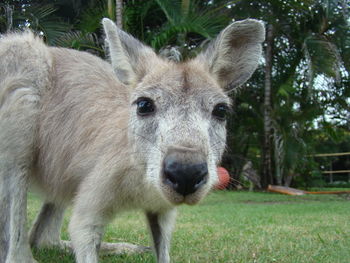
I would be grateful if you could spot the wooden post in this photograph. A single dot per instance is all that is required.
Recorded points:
(331, 174)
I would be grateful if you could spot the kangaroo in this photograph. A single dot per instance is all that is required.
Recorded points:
(141, 132)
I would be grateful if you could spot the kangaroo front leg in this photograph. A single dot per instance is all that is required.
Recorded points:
(46, 230)
(161, 225)
(91, 212)
(5, 203)
(86, 229)
(15, 245)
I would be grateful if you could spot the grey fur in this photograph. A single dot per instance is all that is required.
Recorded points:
(234, 55)
(47, 226)
(161, 225)
(69, 127)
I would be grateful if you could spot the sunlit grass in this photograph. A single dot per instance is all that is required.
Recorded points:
(239, 227)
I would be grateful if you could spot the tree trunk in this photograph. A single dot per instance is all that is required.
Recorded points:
(181, 37)
(9, 17)
(119, 13)
(110, 10)
(185, 6)
(267, 177)
(278, 155)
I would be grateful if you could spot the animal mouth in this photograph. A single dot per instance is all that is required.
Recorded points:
(184, 189)
(169, 190)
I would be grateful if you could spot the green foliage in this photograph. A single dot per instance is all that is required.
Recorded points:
(310, 86)
(187, 25)
(38, 17)
(90, 18)
(80, 41)
(41, 19)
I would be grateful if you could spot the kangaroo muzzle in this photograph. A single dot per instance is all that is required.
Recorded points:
(185, 170)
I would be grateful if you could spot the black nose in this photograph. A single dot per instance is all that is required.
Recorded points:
(184, 178)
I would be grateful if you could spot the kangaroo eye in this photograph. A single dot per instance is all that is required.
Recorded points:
(145, 106)
(220, 111)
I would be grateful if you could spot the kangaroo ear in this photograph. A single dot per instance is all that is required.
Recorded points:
(234, 55)
(129, 57)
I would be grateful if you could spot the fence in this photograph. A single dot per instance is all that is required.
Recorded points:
(331, 172)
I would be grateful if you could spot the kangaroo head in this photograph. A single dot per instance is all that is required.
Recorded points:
(177, 110)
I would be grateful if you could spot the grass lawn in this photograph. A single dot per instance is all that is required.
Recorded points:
(238, 227)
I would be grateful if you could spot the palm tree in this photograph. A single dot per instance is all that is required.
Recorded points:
(119, 13)
(267, 150)
(7, 19)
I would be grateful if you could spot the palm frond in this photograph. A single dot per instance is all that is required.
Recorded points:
(79, 40)
(202, 23)
(90, 20)
(207, 24)
(140, 16)
(169, 34)
(171, 9)
(41, 18)
(323, 57)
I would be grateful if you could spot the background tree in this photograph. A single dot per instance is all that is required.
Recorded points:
(297, 102)
(119, 13)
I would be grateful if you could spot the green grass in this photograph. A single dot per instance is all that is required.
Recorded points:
(239, 227)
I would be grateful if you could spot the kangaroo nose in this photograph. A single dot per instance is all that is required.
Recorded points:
(184, 178)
